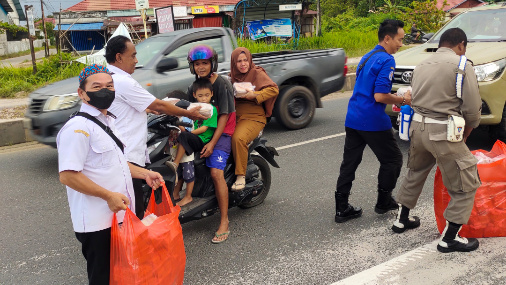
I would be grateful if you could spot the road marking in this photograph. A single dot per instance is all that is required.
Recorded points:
(374, 274)
(310, 141)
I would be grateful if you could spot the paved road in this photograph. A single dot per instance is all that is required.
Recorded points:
(16, 61)
(290, 239)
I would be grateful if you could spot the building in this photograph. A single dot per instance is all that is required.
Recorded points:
(455, 7)
(11, 12)
(89, 23)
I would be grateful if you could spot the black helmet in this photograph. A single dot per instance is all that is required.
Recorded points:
(203, 52)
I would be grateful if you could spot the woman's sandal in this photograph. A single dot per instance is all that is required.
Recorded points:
(217, 236)
(238, 186)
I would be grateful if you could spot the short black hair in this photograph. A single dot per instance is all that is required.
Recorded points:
(452, 37)
(177, 94)
(114, 46)
(389, 27)
(202, 83)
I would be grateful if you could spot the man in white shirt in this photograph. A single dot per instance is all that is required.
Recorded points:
(94, 169)
(130, 106)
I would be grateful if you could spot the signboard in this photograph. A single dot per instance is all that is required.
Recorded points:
(205, 9)
(179, 11)
(269, 28)
(290, 7)
(29, 16)
(141, 4)
(165, 20)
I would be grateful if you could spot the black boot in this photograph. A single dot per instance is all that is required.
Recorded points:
(404, 221)
(451, 241)
(385, 202)
(345, 211)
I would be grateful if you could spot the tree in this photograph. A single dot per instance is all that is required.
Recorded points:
(425, 15)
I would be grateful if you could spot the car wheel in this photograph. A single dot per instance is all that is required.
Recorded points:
(264, 175)
(295, 107)
(498, 132)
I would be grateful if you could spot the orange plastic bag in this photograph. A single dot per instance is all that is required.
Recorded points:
(488, 218)
(151, 254)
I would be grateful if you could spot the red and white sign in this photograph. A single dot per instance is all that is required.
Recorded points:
(165, 20)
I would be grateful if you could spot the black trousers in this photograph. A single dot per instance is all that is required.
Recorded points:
(139, 196)
(384, 146)
(96, 248)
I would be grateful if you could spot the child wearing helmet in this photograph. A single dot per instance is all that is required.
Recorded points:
(203, 62)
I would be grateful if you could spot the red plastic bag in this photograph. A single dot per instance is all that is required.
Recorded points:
(151, 254)
(488, 218)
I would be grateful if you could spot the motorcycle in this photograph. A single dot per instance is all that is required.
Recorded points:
(423, 38)
(162, 133)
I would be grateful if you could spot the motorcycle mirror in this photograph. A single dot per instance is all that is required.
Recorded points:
(166, 64)
(183, 104)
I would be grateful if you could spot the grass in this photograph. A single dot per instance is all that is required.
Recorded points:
(355, 43)
(15, 80)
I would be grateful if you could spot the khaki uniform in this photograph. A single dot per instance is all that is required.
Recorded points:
(434, 96)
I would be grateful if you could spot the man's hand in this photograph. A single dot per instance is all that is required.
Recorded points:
(207, 150)
(407, 98)
(117, 201)
(154, 179)
(194, 114)
(467, 132)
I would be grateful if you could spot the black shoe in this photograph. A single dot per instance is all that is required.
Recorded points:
(385, 202)
(400, 226)
(458, 244)
(348, 214)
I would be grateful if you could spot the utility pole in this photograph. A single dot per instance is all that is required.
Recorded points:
(46, 48)
(318, 18)
(31, 32)
(59, 33)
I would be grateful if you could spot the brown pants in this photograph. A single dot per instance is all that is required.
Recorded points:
(245, 132)
(457, 164)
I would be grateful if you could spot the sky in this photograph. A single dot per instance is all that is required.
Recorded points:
(49, 7)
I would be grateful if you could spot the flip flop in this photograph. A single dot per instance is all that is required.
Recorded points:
(173, 167)
(216, 235)
(238, 186)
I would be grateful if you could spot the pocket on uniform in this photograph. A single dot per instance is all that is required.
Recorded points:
(104, 153)
(468, 173)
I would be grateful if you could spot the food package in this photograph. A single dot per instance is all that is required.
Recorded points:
(241, 88)
(401, 91)
(206, 110)
(149, 219)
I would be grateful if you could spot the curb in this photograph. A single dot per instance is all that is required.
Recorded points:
(18, 130)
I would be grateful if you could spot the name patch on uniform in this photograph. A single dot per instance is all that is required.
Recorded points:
(82, 132)
(391, 75)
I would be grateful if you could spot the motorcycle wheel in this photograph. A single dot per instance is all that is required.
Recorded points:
(407, 40)
(265, 176)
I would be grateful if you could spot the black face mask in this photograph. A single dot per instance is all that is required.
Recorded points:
(101, 99)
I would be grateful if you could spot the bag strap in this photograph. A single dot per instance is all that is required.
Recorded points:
(460, 76)
(100, 124)
(365, 61)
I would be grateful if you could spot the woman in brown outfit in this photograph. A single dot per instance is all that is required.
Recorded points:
(252, 108)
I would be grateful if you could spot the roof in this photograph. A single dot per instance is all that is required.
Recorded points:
(47, 20)
(6, 6)
(107, 5)
(452, 4)
(19, 9)
(81, 27)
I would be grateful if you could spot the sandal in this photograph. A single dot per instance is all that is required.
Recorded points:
(217, 236)
(238, 186)
(173, 167)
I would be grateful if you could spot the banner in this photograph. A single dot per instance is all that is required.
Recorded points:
(269, 28)
(165, 20)
(205, 9)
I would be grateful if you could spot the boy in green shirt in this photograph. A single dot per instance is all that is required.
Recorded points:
(194, 141)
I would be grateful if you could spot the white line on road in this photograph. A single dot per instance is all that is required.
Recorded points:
(310, 141)
(374, 275)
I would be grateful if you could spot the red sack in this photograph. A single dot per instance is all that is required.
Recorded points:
(488, 218)
(151, 254)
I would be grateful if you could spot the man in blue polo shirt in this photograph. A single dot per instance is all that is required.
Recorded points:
(368, 124)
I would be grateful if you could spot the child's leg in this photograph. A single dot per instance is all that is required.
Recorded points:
(188, 173)
(188, 196)
(177, 189)
(180, 153)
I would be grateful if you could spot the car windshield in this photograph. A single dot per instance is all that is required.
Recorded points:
(149, 48)
(479, 26)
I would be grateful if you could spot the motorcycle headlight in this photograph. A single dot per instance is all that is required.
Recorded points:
(490, 71)
(59, 102)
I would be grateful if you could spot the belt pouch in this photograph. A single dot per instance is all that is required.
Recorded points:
(455, 132)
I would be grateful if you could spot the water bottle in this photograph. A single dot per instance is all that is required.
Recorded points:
(405, 121)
